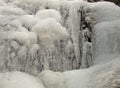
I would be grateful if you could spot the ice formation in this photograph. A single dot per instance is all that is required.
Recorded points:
(28, 21)
(59, 35)
(47, 30)
(106, 31)
(49, 13)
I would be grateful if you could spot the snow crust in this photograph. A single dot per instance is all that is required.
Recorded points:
(18, 80)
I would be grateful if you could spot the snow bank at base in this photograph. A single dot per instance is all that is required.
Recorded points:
(99, 76)
(92, 77)
(77, 78)
(107, 76)
(19, 80)
(52, 79)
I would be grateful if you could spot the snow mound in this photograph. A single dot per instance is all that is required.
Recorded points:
(106, 75)
(24, 38)
(29, 6)
(18, 80)
(48, 13)
(7, 10)
(32, 6)
(49, 30)
(50, 4)
(28, 21)
(52, 79)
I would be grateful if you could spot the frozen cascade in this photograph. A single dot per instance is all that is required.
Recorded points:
(106, 31)
(59, 35)
(44, 36)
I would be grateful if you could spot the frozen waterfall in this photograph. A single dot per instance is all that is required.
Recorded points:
(63, 43)
(54, 36)
(106, 32)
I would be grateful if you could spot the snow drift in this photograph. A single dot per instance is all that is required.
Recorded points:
(19, 80)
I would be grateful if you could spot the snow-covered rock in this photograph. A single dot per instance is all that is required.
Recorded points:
(28, 21)
(19, 80)
(52, 79)
(49, 30)
(24, 38)
(48, 13)
(7, 10)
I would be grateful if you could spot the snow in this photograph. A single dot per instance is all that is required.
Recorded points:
(105, 11)
(29, 6)
(7, 10)
(18, 80)
(2, 3)
(87, 55)
(33, 50)
(50, 4)
(24, 38)
(14, 45)
(69, 48)
(28, 21)
(77, 78)
(48, 13)
(16, 23)
(49, 30)
(52, 79)
(109, 73)
(32, 6)
(84, 78)
(38, 39)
